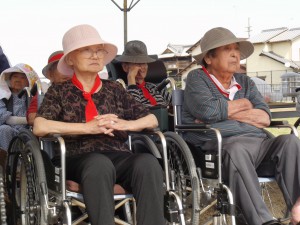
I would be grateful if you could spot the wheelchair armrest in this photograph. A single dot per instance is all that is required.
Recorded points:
(162, 84)
(284, 124)
(157, 107)
(193, 126)
(50, 137)
(145, 131)
(278, 123)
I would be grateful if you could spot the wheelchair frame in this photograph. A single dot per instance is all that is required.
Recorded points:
(26, 174)
(34, 200)
(183, 175)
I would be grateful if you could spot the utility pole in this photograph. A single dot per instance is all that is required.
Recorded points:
(126, 9)
(248, 28)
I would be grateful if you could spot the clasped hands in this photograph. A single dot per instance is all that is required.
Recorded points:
(106, 124)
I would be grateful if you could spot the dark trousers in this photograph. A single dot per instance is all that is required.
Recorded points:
(243, 155)
(140, 174)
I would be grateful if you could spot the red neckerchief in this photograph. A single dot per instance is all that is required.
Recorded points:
(222, 92)
(146, 93)
(90, 108)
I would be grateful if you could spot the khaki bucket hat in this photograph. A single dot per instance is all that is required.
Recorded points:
(220, 36)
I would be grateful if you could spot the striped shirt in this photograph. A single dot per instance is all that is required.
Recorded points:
(163, 98)
(203, 101)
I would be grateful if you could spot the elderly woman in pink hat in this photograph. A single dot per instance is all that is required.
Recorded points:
(94, 115)
(231, 103)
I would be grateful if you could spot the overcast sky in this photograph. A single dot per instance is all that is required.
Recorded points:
(32, 29)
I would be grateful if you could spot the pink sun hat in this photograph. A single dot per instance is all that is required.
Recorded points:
(81, 36)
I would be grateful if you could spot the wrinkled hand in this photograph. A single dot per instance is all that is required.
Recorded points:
(133, 71)
(101, 124)
(122, 125)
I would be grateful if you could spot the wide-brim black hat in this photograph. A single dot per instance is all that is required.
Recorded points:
(135, 52)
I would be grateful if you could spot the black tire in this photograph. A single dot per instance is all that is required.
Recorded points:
(16, 145)
(2, 200)
(28, 175)
(182, 163)
(147, 143)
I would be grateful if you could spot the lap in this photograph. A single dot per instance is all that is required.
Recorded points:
(122, 163)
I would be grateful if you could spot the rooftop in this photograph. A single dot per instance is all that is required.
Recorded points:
(266, 35)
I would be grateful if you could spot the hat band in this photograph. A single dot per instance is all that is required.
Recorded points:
(55, 58)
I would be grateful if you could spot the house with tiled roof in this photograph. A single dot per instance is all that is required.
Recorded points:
(176, 58)
(276, 51)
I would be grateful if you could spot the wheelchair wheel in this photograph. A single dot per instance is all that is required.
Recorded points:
(143, 143)
(185, 181)
(2, 200)
(28, 176)
(15, 147)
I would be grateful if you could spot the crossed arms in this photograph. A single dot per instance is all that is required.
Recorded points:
(242, 110)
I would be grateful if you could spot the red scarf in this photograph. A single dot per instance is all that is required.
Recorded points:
(90, 108)
(146, 93)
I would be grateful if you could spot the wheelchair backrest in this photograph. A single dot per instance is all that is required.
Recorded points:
(157, 71)
(177, 102)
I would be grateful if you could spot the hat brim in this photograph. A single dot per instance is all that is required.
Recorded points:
(135, 59)
(67, 70)
(246, 49)
(7, 73)
(46, 68)
(31, 75)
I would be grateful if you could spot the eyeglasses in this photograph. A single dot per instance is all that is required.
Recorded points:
(88, 53)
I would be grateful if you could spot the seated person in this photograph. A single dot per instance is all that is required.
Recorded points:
(231, 102)
(135, 61)
(49, 71)
(94, 115)
(13, 108)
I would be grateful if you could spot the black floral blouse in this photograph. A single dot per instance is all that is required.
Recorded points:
(64, 102)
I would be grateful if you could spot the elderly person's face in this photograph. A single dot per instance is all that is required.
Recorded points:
(225, 59)
(87, 59)
(55, 76)
(18, 81)
(139, 69)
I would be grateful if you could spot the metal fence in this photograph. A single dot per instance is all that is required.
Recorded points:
(271, 77)
(277, 92)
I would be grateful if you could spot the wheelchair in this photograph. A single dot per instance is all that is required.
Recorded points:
(182, 174)
(38, 190)
(206, 162)
(214, 195)
(40, 193)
